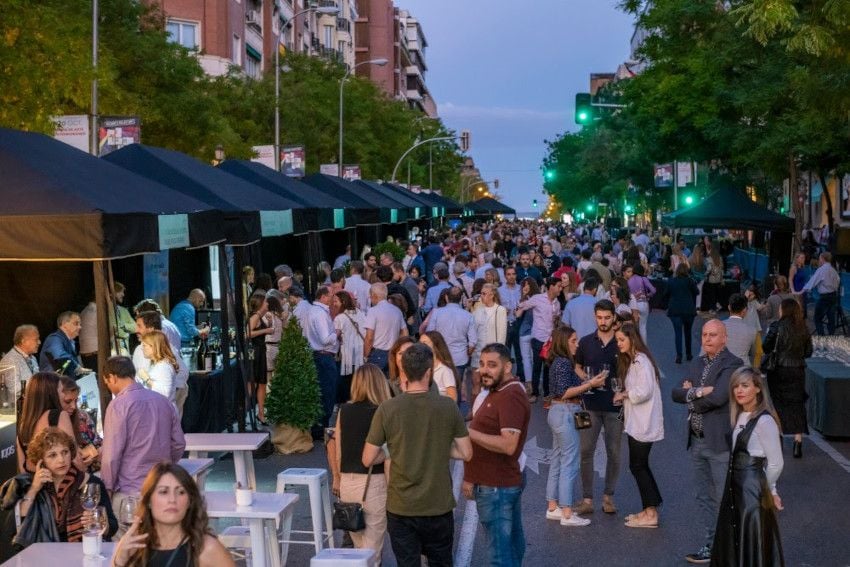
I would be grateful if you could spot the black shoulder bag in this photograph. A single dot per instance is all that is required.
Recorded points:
(348, 516)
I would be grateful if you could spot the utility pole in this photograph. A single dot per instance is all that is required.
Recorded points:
(94, 26)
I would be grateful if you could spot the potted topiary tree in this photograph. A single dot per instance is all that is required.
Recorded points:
(294, 404)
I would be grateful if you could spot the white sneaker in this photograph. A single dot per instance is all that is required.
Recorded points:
(554, 514)
(574, 521)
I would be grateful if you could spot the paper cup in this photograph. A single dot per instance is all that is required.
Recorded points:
(244, 497)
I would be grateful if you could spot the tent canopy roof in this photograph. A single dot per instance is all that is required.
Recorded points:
(491, 206)
(729, 208)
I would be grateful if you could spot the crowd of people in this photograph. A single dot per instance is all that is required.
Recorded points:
(441, 356)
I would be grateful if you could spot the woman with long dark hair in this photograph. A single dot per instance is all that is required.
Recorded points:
(528, 288)
(349, 327)
(257, 332)
(567, 389)
(171, 527)
(41, 409)
(445, 372)
(788, 344)
(643, 417)
(747, 532)
(681, 293)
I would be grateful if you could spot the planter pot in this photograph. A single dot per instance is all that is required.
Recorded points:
(288, 439)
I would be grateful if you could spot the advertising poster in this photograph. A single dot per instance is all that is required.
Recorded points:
(664, 175)
(115, 132)
(264, 155)
(73, 130)
(685, 173)
(293, 161)
(156, 278)
(329, 169)
(351, 172)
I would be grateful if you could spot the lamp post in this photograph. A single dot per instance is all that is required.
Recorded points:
(381, 61)
(330, 10)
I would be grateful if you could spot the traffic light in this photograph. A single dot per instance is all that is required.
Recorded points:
(589, 207)
(689, 199)
(584, 109)
(629, 209)
(534, 203)
(495, 184)
(465, 140)
(549, 174)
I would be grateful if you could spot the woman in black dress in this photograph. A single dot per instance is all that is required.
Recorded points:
(747, 533)
(257, 331)
(791, 344)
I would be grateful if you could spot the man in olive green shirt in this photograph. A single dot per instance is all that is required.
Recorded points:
(422, 431)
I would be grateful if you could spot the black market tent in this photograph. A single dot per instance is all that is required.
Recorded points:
(60, 203)
(728, 208)
(427, 199)
(489, 206)
(415, 210)
(249, 212)
(366, 208)
(449, 206)
(321, 211)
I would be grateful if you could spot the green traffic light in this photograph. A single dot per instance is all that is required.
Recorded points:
(550, 175)
(689, 200)
(534, 203)
(589, 208)
(628, 208)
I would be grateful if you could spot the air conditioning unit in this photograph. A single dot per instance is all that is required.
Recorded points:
(252, 17)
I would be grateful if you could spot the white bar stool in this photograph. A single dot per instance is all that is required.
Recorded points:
(318, 490)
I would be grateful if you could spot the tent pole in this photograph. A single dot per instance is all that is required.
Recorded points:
(101, 293)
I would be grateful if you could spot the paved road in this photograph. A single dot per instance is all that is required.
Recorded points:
(815, 524)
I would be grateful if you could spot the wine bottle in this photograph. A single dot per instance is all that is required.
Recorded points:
(208, 357)
(202, 354)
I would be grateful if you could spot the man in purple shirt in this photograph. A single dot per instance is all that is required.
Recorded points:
(141, 428)
(546, 311)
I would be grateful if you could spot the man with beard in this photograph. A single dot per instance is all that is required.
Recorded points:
(595, 351)
(493, 477)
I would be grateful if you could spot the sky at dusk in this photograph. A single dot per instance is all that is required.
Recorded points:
(510, 74)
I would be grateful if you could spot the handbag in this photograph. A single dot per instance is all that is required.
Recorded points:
(544, 350)
(768, 361)
(582, 418)
(348, 516)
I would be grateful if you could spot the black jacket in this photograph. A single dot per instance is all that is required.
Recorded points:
(714, 407)
(790, 346)
(681, 294)
(38, 525)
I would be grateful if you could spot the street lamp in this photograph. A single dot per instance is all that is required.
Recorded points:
(381, 61)
(329, 10)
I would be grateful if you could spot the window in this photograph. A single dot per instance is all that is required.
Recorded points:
(252, 66)
(237, 50)
(183, 33)
(329, 37)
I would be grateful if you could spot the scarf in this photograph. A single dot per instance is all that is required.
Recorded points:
(67, 507)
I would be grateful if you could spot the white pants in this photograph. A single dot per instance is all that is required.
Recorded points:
(643, 309)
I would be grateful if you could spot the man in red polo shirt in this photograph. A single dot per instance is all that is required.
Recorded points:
(493, 477)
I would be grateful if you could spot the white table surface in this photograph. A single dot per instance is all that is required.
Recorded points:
(196, 466)
(41, 554)
(266, 505)
(224, 441)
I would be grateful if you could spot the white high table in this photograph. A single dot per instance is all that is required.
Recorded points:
(268, 510)
(241, 445)
(41, 554)
(197, 469)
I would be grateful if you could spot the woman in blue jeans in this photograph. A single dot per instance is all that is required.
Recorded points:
(681, 295)
(566, 388)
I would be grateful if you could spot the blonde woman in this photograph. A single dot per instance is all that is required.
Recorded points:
(369, 389)
(491, 321)
(160, 375)
(747, 529)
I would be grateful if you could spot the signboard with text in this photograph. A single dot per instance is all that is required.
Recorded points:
(351, 172)
(73, 130)
(264, 155)
(663, 175)
(329, 169)
(115, 132)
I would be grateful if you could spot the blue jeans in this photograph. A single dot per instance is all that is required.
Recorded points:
(379, 358)
(328, 374)
(500, 512)
(566, 455)
(710, 469)
(682, 325)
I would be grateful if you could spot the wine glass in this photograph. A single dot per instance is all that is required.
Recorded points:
(127, 512)
(90, 495)
(606, 370)
(588, 373)
(617, 386)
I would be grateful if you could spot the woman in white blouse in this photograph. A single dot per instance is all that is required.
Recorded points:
(160, 375)
(747, 530)
(349, 328)
(444, 373)
(644, 419)
(491, 321)
(276, 319)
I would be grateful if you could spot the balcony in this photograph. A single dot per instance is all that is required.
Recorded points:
(331, 54)
(343, 25)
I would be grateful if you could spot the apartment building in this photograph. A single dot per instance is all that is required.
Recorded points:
(245, 33)
(387, 32)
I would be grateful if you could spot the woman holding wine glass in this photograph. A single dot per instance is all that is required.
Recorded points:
(58, 502)
(644, 420)
(171, 526)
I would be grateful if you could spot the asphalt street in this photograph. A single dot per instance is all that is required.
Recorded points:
(815, 490)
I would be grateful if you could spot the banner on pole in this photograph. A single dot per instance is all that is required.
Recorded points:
(73, 130)
(663, 175)
(685, 173)
(264, 155)
(351, 172)
(115, 132)
(293, 161)
(329, 169)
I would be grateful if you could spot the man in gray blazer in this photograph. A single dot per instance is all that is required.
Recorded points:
(705, 390)
(740, 335)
